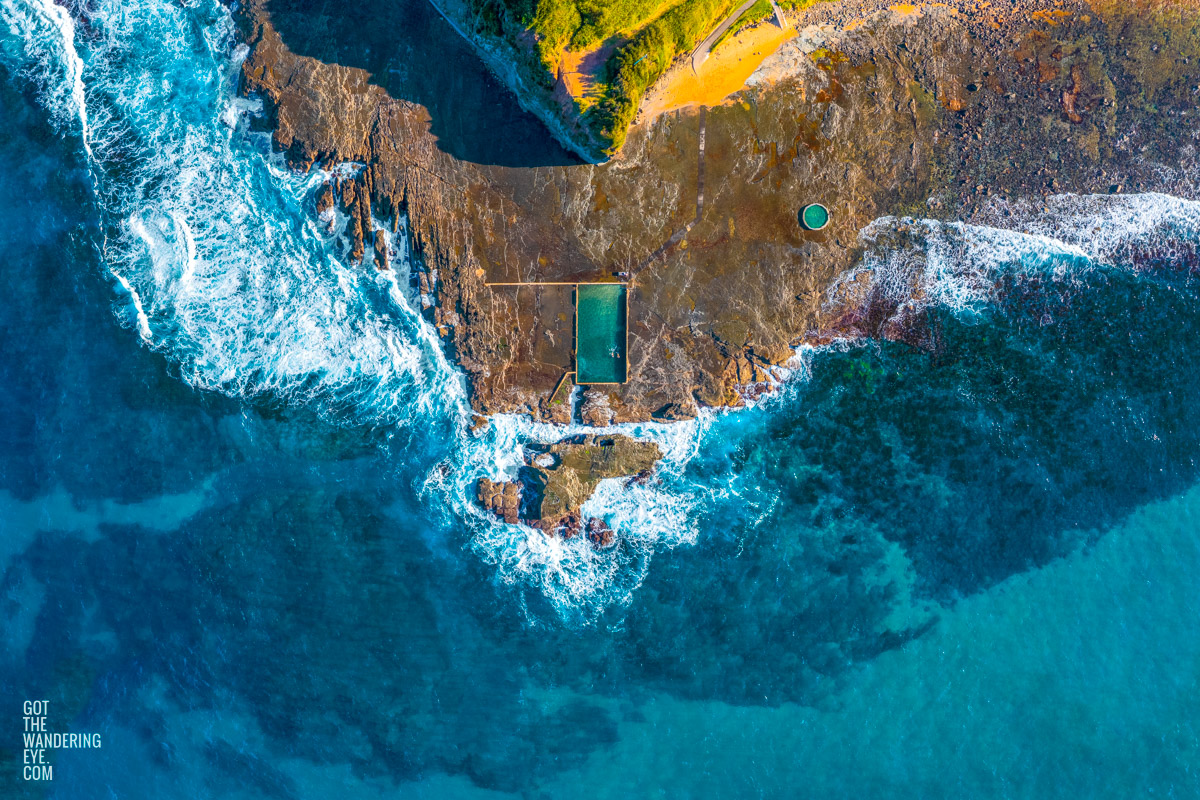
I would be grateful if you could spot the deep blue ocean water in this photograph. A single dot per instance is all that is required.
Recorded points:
(236, 536)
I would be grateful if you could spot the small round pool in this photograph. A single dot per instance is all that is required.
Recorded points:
(814, 216)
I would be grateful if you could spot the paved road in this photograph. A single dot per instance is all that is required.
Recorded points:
(701, 51)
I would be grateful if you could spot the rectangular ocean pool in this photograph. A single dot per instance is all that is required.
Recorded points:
(600, 333)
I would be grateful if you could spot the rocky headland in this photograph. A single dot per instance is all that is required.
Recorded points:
(935, 111)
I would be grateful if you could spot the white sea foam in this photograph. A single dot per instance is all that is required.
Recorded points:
(46, 33)
(917, 263)
(1108, 227)
(228, 275)
(577, 579)
(225, 271)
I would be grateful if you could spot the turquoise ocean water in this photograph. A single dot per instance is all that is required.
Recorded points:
(236, 536)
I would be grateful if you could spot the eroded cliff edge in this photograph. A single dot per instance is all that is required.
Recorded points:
(932, 112)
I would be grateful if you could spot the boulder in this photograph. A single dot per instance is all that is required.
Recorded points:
(557, 480)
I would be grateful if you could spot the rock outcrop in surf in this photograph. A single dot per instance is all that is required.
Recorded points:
(558, 478)
(936, 111)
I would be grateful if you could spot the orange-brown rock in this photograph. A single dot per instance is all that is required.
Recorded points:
(380, 245)
(557, 479)
(928, 114)
(324, 198)
(502, 499)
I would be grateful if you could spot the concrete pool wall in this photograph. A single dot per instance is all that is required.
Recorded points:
(601, 333)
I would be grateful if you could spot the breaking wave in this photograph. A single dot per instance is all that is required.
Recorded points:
(913, 265)
(221, 266)
(223, 269)
(577, 580)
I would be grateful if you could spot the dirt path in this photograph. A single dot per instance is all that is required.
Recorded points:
(700, 54)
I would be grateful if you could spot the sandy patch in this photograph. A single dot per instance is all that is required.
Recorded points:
(581, 71)
(722, 74)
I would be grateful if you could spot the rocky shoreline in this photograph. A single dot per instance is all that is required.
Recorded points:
(938, 112)
(558, 478)
(502, 60)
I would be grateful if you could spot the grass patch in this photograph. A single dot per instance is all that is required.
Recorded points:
(760, 11)
(661, 31)
(605, 18)
(633, 68)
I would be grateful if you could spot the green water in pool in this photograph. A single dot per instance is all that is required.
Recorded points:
(600, 333)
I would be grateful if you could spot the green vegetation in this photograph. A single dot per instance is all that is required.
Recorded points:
(640, 62)
(757, 13)
(604, 18)
(579, 24)
(558, 25)
(659, 31)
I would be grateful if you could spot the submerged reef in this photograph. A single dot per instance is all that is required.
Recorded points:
(936, 113)
(947, 111)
